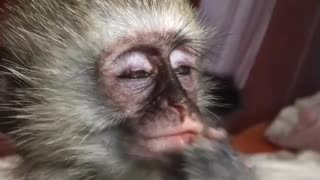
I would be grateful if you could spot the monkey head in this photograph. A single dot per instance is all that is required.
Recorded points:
(105, 84)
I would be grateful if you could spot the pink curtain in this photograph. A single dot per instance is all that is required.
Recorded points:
(241, 25)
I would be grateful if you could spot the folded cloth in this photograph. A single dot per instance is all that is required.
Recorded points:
(285, 165)
(298, 126)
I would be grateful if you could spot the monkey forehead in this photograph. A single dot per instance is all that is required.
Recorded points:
(131, 17)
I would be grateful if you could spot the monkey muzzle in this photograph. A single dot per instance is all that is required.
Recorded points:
(176, 140)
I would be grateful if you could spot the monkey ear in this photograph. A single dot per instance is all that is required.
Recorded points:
(195, 3)
(3, 77)
(6, 86)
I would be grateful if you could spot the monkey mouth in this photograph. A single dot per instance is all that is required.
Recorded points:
(159, 146)
(155, 142)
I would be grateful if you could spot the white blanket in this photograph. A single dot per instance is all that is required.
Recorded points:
(285, 165)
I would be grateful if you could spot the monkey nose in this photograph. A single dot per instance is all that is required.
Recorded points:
(194, 120)
(191, 122)
(181, 111)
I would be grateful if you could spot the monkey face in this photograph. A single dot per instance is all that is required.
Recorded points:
(154, 84)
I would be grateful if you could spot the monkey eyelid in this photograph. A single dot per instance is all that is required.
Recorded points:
(132, 62)
(180, 57)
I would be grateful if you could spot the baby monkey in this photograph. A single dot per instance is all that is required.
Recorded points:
(110, 90)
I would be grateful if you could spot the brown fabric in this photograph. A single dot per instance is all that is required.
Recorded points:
(252, 140)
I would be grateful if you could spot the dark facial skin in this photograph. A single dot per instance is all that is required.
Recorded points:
(156, 88)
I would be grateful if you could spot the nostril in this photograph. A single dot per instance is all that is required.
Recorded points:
(182, 108)
(181, 111)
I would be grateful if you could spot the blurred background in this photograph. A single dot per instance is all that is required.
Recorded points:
(272, 50)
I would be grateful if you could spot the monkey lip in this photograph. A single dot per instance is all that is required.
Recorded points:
(188, 127)
(170, 143)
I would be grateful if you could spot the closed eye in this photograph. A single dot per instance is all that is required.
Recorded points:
(135, 74)
(134, 65)
(183, 70)
(182, 62)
